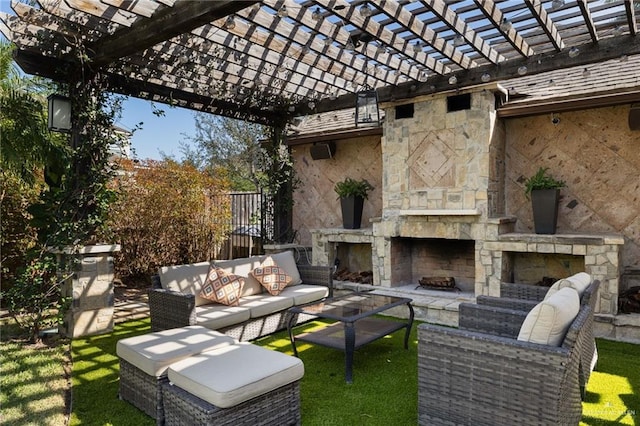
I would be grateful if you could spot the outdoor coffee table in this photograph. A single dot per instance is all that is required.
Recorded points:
(356, 325)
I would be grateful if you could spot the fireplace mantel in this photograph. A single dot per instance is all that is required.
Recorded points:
(439, 212)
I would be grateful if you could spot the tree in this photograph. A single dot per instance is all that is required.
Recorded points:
(225, 144)
(27, 146)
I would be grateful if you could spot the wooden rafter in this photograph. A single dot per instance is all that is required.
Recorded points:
(384, 35)
(546, 23)
(588, 20)
(425, 34)
(631, 16)
(270, 67)
(495, 15)
(183, 17)
(440, 8)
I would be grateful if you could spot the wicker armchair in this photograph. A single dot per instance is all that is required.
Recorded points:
(481, 376)
(524, 297)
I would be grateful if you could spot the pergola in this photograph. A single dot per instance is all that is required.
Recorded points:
(268, 61)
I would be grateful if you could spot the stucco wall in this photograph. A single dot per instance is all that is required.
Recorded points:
(316, 203)
(599, 158)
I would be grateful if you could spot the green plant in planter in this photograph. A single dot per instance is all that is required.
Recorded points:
(352, 194)
(542, 180)
(351, 187)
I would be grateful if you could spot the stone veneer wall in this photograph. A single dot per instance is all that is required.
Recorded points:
(599, 158)
(316, 204)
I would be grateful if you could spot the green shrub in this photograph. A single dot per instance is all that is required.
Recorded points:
(16, 233)
(166, 214)
(35, 300)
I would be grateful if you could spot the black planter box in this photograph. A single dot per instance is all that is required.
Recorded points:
(545, 210)
(351, 211)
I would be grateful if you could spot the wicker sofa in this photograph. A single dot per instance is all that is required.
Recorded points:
(486, 376)
(174, 300)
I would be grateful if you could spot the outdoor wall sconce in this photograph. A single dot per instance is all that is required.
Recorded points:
(59, 119)
(367, 113)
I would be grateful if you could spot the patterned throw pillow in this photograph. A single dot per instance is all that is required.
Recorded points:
(222, 287)
(272, 277)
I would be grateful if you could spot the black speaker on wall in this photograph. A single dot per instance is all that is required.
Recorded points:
(634, 117)
(323, 150)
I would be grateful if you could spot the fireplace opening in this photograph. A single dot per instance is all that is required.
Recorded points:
(541, 268)
(412, 259)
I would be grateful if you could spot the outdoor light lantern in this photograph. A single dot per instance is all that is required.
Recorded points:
(59, 119)
(367, 113)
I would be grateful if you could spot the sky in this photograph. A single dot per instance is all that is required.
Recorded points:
(157, 135)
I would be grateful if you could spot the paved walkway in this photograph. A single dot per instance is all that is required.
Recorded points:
(130, 304)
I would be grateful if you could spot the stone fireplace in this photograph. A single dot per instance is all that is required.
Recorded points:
(443, 207)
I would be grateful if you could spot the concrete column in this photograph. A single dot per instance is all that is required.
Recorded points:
(90, 287)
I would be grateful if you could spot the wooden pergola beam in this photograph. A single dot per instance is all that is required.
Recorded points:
(541, 15)
(613, 48)
(588, 20)
(183, 17)
(495, 15)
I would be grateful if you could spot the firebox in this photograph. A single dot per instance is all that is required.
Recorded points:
(415, 258)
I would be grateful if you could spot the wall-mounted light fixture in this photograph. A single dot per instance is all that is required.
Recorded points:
(59, 119)
(367, 112)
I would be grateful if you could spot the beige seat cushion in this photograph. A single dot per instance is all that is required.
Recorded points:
(153, 352)
(305, 293)
(579, 282)
(229, 376)
(548, 322)
(185, 279)
(215, 316)
(264, 304)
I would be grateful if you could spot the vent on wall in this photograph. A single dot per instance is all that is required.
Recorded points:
(459, 102)
(404, 111)
(323, 150)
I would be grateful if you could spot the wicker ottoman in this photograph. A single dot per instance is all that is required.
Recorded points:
(144, 360)
(241, 384)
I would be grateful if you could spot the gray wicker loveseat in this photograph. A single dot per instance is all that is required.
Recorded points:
(175, 299)
(485, 373)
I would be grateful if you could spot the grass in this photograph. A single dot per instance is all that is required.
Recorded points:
(33, 382)
(384, 390)
(613, 392)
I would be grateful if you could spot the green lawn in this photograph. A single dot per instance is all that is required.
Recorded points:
(33, 382)
(384, 391)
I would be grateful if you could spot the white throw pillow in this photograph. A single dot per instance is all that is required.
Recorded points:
(549, 320)
(579, 282)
